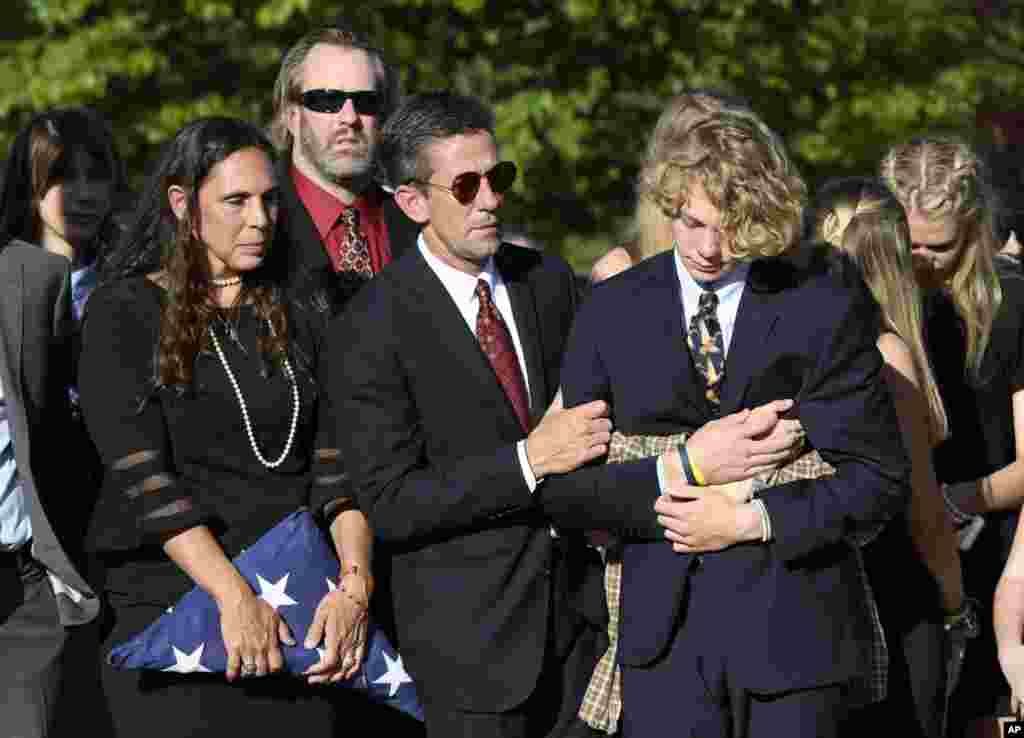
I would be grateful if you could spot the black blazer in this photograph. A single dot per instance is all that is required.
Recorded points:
(308, 267)
(429, 437)
(793, 614)
(35, 324)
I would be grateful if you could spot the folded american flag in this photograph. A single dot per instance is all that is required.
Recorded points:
(292, 568)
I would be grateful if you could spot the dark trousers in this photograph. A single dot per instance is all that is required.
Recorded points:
(693, 692)
(31, 641)
(549, 712)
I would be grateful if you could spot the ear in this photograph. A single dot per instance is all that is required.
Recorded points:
(178, 199)
(291, 115)
(413, 203)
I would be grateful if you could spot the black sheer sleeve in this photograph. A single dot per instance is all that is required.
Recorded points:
(331, 492)
(141, 497)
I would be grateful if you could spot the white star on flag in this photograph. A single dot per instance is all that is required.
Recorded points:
(188, 663)
(274, 594)
(395, 676)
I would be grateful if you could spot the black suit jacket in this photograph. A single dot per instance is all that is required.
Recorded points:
(793, 614)
(35, 324)
(429, 437)
(310, 274)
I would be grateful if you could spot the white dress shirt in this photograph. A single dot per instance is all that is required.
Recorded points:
(729, 289)
(15, 523)
(461, 287)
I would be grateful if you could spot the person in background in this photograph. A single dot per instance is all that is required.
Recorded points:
(42, 591)
(974, 325)
(199, 389)
(62, 188)
(914, 565)
(338, 224)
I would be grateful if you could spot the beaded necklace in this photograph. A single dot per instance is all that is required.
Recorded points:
(245, 410)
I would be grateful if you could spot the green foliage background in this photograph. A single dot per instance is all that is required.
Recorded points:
(577, 84)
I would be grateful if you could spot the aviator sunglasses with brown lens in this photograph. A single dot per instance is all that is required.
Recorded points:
(365, 102)
(465, 186)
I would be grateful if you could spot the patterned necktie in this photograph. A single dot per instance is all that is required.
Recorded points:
(707, 345)
(496, 342)
(354, 250)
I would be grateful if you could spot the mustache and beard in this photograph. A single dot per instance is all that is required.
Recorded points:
(346, 155)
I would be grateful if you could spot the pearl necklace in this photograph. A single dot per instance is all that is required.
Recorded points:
(226, 281)
(245, 410)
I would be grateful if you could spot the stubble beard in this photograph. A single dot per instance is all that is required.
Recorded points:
(345, 169)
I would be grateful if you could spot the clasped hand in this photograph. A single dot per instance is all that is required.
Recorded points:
(742, 445)
(729, 452)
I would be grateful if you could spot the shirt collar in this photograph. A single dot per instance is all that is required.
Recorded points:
(725, 284)
(461, 286)
(84, 276)
(325, 209)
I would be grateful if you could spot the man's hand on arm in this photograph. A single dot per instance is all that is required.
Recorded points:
(738, 447)
(565, 440)
(744, 444)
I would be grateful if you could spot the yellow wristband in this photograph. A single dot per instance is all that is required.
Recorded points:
(698, 475)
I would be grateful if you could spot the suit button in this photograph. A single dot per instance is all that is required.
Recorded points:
(546, 572)
(697, 563)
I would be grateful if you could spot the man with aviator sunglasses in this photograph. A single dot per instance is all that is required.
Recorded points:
(341, 227)
(441, 372)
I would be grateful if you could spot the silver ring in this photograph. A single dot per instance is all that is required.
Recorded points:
(248, 669)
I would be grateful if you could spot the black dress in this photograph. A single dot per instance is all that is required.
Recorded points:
(981, 441)
(180, 457)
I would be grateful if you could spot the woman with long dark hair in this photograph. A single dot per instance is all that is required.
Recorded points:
(199, 390)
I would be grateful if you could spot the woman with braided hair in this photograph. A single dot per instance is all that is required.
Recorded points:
(974, 315)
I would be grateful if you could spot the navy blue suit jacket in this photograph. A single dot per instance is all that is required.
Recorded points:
(793, 612)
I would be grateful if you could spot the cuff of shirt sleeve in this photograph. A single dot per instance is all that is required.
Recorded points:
(766, 521)
(659, 467)
(524, 463)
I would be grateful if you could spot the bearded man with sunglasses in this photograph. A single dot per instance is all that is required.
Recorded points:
(332, 93)
(441, 374)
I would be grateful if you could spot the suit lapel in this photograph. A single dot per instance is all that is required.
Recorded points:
(11, 315)
(450, 335)
(524, 312)
(306, 246)
(668, 306)
(759, 312)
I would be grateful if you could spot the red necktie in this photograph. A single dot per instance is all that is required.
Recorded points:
(496, 342)
(354, 250)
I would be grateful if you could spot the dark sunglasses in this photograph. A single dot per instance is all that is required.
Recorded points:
(366, 102)
(466, 185)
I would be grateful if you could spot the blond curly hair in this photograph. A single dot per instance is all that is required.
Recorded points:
(741, 164)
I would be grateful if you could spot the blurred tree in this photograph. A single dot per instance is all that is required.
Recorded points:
(577, 83)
